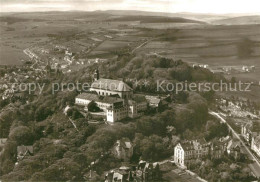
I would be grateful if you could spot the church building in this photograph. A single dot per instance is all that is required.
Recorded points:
(115, 98)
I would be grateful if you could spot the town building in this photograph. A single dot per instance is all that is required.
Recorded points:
(246, 132)
(187, 151)
(250, 132)
(123, 174)
(2, 142)
(115, 98)
(233, 149)
(147, 172)
(143, 172)
(255, 144)
(157, 103)
(123, 149)
(219, 147)
(23, 151)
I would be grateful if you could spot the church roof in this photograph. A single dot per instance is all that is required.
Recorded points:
(99, 98)
(112, 85)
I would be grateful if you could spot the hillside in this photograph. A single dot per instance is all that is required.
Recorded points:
(243, 20)
(155, 19)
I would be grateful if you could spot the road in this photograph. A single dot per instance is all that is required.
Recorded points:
(255, 166)
(138, 47)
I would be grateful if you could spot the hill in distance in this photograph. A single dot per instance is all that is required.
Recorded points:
(244, 20)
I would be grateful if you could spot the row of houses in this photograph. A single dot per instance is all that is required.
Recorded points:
(143, 172)
(187, 152)
(250, 133)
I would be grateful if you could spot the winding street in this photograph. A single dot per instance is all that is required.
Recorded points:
(255, 166)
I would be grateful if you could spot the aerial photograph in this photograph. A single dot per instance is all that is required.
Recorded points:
(130, 90)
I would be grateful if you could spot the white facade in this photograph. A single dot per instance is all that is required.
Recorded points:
(255, 145)
(115, 108)
(245, 132)
(114, 115)
(80, 101)
(179, 155)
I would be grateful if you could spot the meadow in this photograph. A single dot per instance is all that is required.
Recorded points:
(214, 40)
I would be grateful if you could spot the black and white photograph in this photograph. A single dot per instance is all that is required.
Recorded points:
(129, 90)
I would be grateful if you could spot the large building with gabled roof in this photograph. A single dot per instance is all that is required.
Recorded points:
(109, 87)
(114, 97)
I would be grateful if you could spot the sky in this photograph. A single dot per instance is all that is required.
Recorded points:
(171, 6)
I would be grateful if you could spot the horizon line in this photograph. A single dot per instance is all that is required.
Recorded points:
(181, 12)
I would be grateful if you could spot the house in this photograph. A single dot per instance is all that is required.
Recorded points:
(255, 144)
(147, 172)
(123, 174)
(246, 132)
(144, 172)
(157, 103)
(219, 147)
(23, 151)
(187, 151)
(154, 101)
(2, 142)
(123, 149)
(233, 149)
(137, 106)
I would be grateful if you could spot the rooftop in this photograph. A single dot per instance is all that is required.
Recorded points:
(112, 85)
(98, 98)
(23, 149)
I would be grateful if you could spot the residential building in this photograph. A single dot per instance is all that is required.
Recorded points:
(233, 148)
(147, 172)
(157, 103)
(123, 149)
(23, 151)
(255, 144)
(219, 147)
(137, 106)
(143, 172)
(123, 174)
(246, 131)
(187, 151)
(2, 142)
(154, 101)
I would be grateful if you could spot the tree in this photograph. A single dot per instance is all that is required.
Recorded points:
(22, 135)
(92, 107)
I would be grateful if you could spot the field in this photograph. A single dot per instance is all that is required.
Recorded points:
(209, 39)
